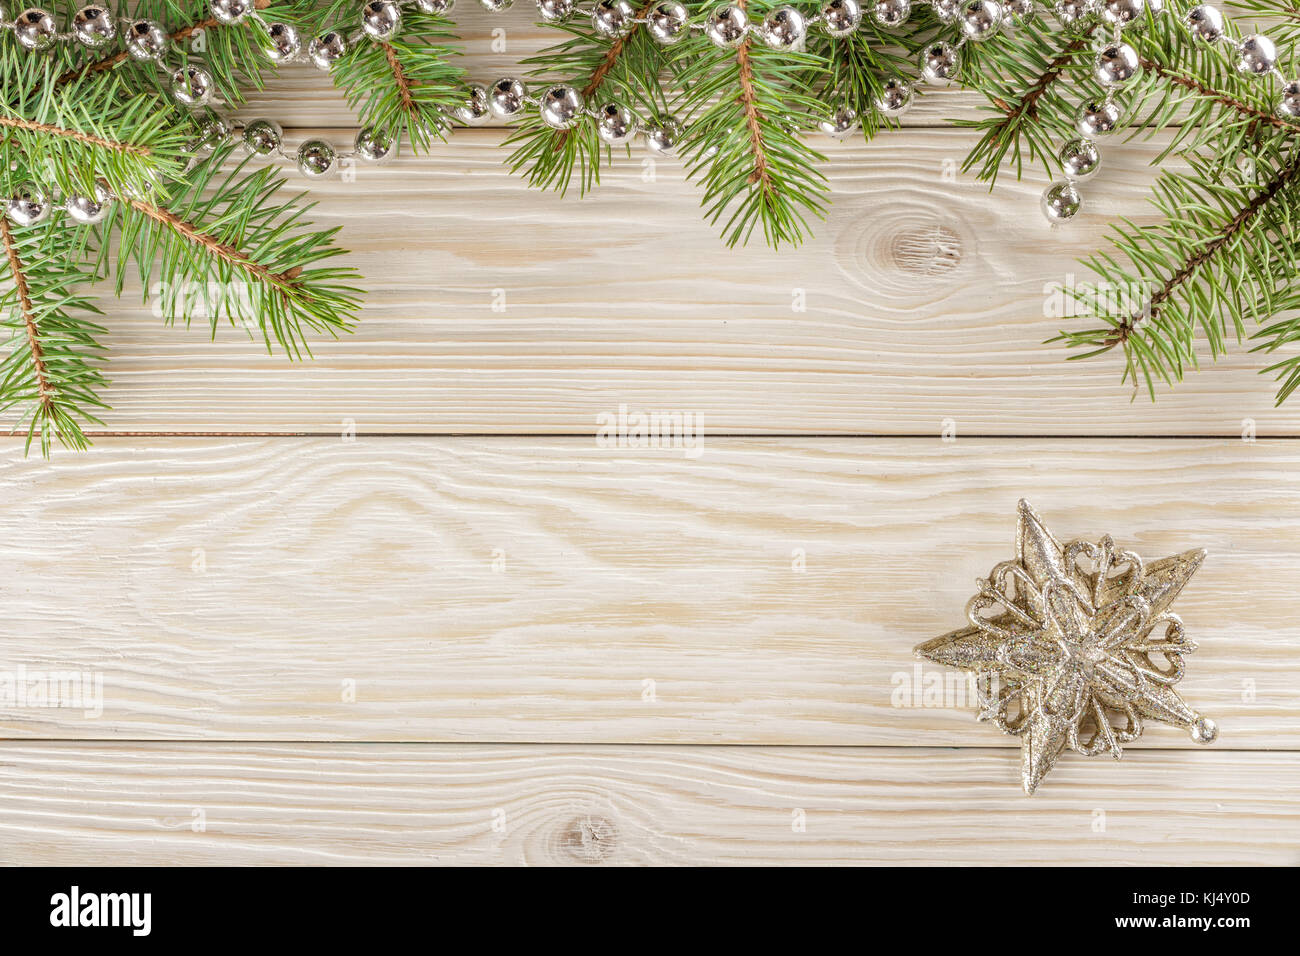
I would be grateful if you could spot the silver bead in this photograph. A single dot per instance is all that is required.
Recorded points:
(1061, 202)
(380, 19)
(1121, 13)
(615, 124)
(211, 135)
(980, 19)
(612, 18)
(561, 107)
(28, 206)
(231, 12)
(940, 64)
(284, 42)
(553, 11)
(1256, 55)
(785, 28)
(1204, 730)
(946, 10)
(1116, 65)
(262, 137)
(895, 97)
(496, 6)
(1097, 118)
(839, 124)
(1018, 11)
(93, 27)
(891, 13)
(89, 210)
(726, 26)
(667, 22)
(475, 110)
(1205, 23)
(663, 135)
(315, 158)
(1289, 105)
(1080, 160)
(35, 29)
(435, 6)
(841, 17)
(375, 145)
(146, 40)
(506, 97)
(1071, 12)
(327, 49)
(192, 86)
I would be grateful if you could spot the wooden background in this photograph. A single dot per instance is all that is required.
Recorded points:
(396, 605)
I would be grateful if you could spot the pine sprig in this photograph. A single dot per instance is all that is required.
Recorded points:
(51, 365)
(744, 111)
(231, 249)
(1029, 77)
(69, 136)
(625, 70)
(851, 71)
(233, 54)
(1222, 259)
(407, 85)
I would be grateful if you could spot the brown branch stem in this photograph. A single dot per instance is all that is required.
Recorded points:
(35, 127)
(1223, 99)
(284, 281)
(404, 82)
(748, 98)
(1028, 105)
(1233, 227)
(44, 389)
(598, 75)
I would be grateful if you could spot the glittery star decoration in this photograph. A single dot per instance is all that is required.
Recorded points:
(1075, 646)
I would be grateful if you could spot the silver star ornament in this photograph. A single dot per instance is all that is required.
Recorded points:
(1074, 646)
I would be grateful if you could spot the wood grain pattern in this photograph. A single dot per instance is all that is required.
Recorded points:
(924, 299)
(134, 803)
(230, 587)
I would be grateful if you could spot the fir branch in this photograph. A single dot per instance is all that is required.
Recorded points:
(759, 175)
(1021, 75)
(1219, 97)
(231, 250)
(177, 37)
(406, 85)
(624, 70)
(745, 109)
(1222, 255)
(852, 70)
(27, 310)
(89, 139)
(50, 370)
(82, 132)
(1204, 254)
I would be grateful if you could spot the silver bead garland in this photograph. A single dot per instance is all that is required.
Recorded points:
(1116, 65)
(561, 107)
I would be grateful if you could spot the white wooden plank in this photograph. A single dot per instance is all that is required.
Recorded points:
(536, 589)
(221, 804)
(924, 299)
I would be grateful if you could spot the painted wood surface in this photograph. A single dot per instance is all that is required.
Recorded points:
(221, 803)
(431, 619)
(485, 589)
